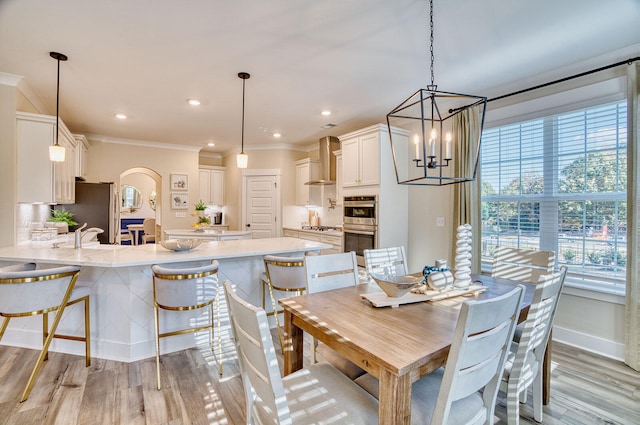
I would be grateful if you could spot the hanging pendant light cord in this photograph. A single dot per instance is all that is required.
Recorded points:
(242, 139)
(58, 102)
(431, 42)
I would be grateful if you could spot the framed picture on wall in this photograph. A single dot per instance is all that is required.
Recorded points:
(179, 201)
(179, 182)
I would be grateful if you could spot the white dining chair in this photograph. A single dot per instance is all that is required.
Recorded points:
(27, 291)
(180, 288)
(525, 362)
(324, 273)
(523, 265)
(465, 391)
(318, 394)
(149, 229)
(391, 261)
(282, 274)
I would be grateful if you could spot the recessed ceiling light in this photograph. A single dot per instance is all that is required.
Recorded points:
(329, 125)
(193, 102)
(121, 116)
(326, 113)
(211, 144)
(277, 134)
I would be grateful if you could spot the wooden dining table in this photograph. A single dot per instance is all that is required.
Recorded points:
(396, 345)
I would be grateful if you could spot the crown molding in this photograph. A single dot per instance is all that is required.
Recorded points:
(142, 143)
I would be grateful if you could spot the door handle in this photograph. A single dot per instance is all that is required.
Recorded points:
(248, 225)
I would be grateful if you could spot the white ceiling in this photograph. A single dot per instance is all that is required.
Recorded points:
(358, 58)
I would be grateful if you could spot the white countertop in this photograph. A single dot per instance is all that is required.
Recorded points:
(148, 254)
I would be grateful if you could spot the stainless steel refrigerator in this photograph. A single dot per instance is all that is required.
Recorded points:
(96, 204)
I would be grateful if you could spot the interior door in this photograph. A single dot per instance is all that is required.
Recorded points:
(261, 206)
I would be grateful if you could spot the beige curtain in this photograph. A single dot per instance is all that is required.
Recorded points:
(466, 196)
(632, 299)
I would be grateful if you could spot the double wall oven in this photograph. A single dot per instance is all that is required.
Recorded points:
(360, 225)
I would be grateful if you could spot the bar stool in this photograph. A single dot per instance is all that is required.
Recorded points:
(285, 274)
(27, 291)
(186, 288)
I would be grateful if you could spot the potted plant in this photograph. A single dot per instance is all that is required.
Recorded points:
(62, 219)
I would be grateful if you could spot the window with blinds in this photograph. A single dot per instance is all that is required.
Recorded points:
(559, 183)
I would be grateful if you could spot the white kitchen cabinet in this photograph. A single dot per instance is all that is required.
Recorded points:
(306, 169)
(40, 179)
(339, 196)
(82, 152)
(361, 159)
(212, 185)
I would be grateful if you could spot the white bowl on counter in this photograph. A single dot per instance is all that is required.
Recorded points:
(180, 244)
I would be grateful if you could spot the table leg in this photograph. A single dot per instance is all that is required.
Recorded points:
(395, 399)
(293, 345)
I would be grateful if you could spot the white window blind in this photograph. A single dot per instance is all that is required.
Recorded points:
(559, 183)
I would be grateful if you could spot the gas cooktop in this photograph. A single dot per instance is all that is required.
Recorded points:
(319, 228)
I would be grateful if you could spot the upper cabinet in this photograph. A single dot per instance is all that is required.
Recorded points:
(40, 179)
(361, 158)
(212, 185)
(306, 169)
(82, 151)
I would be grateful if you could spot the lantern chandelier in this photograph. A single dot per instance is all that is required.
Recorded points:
(435, 135)
(242, 158)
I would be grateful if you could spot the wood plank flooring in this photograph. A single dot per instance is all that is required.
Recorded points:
(585, 389)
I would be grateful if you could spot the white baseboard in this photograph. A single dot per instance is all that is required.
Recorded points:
(603, 347)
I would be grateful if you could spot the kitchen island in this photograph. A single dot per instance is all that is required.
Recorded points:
(120, 277)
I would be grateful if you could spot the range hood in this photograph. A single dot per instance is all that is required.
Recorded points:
(327, 161)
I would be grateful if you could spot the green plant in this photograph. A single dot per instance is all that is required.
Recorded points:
(63, 216)
(200, 206)
(569, 255)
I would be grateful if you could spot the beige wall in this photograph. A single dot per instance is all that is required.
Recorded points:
(282, 159)
(106, 161)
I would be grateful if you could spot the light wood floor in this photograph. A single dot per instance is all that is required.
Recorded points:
(585, 389)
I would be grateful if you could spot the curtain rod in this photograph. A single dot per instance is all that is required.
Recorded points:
(582, 74)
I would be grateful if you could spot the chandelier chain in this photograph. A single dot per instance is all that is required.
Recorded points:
(431, 39)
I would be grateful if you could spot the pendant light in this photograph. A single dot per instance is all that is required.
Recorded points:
(242, 158)
(56, 152)
(435, 135)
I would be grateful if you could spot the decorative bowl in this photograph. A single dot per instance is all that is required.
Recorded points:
(396, 286)
(180, 244)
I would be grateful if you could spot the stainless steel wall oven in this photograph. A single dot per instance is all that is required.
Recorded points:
(360, 225)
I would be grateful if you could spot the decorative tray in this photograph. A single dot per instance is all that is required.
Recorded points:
(380, 299)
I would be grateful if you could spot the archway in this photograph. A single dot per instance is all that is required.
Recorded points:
(141, 176)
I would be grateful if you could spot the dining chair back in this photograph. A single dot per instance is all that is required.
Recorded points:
(390, 261)
(149, 229)
(283, 274)
(525, 364)
(324, 273)
(465, 391)
(27, 291)
(331, 271)
(317, 394)
(181, 288)
(523, 265)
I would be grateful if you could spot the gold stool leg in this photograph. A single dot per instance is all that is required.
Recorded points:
(45, 332)
(5, 323)
(45, 350)
(155, 310)
(275, 314)
(87, 334)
